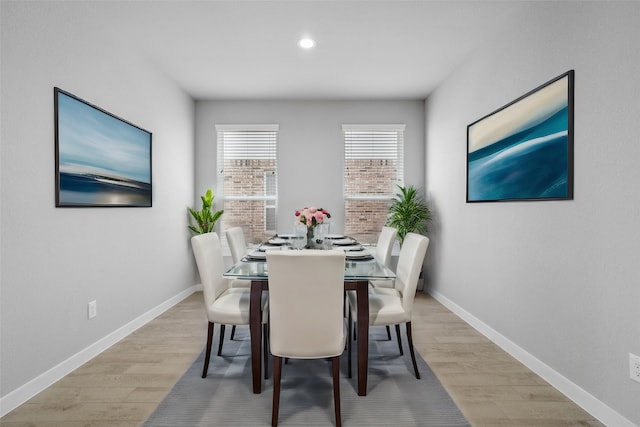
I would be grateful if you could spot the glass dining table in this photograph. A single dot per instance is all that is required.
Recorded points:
(357, 273)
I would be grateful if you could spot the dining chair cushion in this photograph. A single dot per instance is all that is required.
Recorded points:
(385, 306)
(231, 307)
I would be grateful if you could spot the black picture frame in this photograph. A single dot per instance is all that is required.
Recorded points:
(101, 160)
(523, 151)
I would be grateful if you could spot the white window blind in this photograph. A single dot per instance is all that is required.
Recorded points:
(247, 178)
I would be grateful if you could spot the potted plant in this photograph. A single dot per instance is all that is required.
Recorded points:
(409, 213)
(205, 218)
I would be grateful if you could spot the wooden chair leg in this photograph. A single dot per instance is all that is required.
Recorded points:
(388, 333)
(207, 355)
(399, 340)
(336, 389)
(277, 373)
(413, 354)
(265, 349)
(221, 339)
(233, 332)
(349, 344)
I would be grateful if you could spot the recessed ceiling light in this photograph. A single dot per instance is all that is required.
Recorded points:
(306, 43)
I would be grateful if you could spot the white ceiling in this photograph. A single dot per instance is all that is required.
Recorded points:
(238, 49)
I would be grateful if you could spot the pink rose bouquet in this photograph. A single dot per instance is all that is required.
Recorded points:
(312, 216)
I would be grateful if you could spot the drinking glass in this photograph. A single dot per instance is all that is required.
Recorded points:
(327, 244)
(320, 235)
(300, 233)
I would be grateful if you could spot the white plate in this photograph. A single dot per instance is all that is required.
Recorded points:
(277, 241)
(352, 248)
(286, 236)
(359, 255)
(344, 242)
(335, 236)
(257, 255)
(263, 248)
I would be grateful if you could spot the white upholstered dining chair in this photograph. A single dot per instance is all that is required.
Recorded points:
(224, 304)
(306, 291)
(392, 306)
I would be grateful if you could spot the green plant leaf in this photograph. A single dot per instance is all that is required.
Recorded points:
(408, 213)
(205, 220)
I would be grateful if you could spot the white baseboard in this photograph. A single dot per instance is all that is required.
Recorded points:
(578, 395)
(23, 393)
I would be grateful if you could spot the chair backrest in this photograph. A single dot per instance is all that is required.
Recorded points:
(237, 243)
(384, 247)
(306, 301)
(208, 254)
(412, 253)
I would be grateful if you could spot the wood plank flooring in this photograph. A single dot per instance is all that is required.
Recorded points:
(123, 385)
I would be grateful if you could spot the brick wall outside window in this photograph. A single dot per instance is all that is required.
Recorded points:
(365, 177)
(246, 178)
(364, 219)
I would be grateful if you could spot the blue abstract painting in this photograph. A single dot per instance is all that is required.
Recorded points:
(524, 151)
(101, 160)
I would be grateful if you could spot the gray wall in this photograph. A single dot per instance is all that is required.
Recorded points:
(54, 261)
(554, 282)
(310, 146)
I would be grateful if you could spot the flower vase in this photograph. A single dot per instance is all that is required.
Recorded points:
(310, 237)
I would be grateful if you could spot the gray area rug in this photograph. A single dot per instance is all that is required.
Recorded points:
(395, 397)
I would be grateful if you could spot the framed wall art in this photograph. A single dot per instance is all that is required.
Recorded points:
(524, 150)
(101, 160)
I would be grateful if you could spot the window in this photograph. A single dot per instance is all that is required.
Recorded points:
(248, 179)
(373, 166)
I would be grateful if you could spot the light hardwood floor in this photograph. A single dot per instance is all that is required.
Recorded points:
(123, 385)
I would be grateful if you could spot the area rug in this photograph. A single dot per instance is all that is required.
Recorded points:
(395, 397)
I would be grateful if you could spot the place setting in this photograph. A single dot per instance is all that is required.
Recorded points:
(362, 255)
(343, 241)
(260, 253)
(278, 241)
(352, 248)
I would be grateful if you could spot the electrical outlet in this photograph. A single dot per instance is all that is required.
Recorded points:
(92, 310)
(634, 367)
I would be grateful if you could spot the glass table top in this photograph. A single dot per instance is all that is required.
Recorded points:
(353, 270)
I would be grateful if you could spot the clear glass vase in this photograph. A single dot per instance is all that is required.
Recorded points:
(311, 244)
